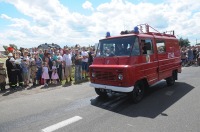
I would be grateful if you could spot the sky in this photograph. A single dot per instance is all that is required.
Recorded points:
(28, 23)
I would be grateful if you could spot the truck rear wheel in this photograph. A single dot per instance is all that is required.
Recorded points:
(138, 92)
(170, 81)
(101, 92)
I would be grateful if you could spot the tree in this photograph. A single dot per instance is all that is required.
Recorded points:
(14, 46)
(184, 42)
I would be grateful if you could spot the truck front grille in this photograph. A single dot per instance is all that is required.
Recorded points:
(105, 76)
(111, 75)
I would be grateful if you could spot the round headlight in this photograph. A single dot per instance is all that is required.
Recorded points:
(120, 77)
(93, 74)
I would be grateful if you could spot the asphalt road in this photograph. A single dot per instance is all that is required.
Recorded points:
(77, 108)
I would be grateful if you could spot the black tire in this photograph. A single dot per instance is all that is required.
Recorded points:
(170, 81)
(101, 92)
(138, 92)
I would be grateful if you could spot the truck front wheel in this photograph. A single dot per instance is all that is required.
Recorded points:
(101, 92)
(138, 92)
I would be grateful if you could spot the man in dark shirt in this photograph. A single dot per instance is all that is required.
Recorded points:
(8, 66)
(78, 65)
(90, 57)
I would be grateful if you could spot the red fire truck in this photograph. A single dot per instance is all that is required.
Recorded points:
(134, 60)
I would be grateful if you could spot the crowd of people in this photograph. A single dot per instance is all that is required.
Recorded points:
(46, 66)
(190, 56)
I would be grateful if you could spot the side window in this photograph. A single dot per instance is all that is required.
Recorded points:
(160, 44)
(146, 46)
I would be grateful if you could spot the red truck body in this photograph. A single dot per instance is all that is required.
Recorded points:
(147, 58)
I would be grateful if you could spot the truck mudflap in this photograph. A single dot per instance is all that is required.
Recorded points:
(113, 88)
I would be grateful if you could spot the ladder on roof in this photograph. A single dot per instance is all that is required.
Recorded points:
(148, 27)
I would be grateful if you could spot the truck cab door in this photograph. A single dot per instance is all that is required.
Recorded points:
(149, 59)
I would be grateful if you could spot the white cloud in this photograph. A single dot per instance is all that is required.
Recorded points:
(50, 21)
(87, 5)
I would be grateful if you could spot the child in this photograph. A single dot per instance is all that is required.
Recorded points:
(33, 68)
(25, 71)
(54, 75)
(3, 77)
(45, 74)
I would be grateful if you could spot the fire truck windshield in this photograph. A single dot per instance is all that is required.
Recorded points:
(123, 46)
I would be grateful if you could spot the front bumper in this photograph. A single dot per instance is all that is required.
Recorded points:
(113, 88)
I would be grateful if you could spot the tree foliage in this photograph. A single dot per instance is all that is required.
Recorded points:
(13, 45)
(184, 42)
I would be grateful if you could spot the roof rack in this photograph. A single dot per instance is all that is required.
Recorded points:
(139, 29)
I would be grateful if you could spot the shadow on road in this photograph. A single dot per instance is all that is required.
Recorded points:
(11, 91)
(158, 99)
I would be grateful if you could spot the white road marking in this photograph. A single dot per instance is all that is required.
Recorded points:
(169, 93)
(130, 125)
(61, 124)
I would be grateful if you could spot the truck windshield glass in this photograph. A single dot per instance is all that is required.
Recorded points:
(116, 47)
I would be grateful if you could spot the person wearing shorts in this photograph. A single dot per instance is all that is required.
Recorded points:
(84, 62)
(67, 60)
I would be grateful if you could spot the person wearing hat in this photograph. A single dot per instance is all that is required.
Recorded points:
(8, 67)
(3, 77)
(13, 69)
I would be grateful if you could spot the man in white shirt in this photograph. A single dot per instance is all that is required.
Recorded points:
(84, 62)
(67, 60)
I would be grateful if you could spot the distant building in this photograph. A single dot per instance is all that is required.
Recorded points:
(46, 46)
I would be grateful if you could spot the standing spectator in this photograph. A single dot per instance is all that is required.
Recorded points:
(59, 65)
(26, 53)
(198, 56)
(41, 54)
(183, 56)
(33, 68)
(90, 56)
(3, 77)
(13, 79)
(38, 62)
(78, 66)
(84, 62)
(190, 56)
(19, 68)
(50, 64)
(25, 68)
(67, 60)
(8, 66)
(54, 75)
(64, 50)
(195, 56)
(45, 74)
(45, 54)
(54, 56)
